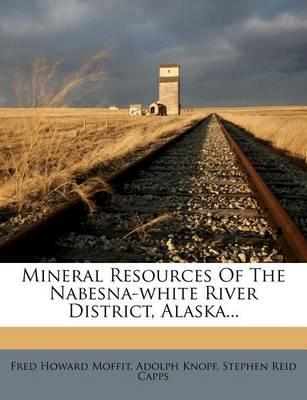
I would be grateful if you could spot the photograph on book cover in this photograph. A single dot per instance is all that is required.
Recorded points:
(153, 198)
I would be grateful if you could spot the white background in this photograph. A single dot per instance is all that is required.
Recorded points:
(279, 304)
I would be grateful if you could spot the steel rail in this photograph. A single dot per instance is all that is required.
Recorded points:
(286, 232)
(21, 247)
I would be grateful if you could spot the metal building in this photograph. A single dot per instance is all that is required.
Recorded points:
(169, 88)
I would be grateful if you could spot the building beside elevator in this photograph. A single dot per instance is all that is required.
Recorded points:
(136, 110)
(157, 109)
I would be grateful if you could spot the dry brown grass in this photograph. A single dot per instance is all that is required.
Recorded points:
(142, 228)
(285, 128)
(42, 151)
(44, 147)
(47, 86)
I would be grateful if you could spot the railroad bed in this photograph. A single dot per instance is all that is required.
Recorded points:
(193, 204)
(285, 179)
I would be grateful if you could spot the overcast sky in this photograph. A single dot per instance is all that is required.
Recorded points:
(232, 52)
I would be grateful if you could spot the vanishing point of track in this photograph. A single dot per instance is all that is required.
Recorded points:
(196, 199)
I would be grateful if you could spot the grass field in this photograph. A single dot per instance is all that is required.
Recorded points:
(43, 150)
(46, 145)
(285, 128)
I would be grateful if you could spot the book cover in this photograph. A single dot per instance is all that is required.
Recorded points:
(153, 197)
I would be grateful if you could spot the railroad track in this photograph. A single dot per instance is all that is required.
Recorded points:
(286, 180)
(190, 201)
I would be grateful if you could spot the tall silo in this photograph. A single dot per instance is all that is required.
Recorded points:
(169, 88)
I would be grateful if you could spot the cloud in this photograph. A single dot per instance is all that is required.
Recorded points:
(228, 49)
(3, 101)
(275, 45)
(56, 16)
(285, 23)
